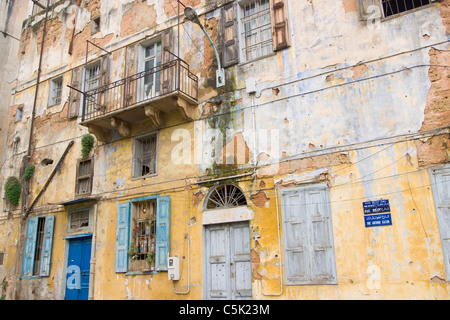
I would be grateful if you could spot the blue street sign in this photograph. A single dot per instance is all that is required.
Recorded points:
(378, 220)
(379, 206)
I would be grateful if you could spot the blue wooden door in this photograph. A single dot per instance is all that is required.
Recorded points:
(78, 268)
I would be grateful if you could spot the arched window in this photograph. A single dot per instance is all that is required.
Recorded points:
(225, 196)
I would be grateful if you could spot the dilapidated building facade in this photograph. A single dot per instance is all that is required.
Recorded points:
(314, 167)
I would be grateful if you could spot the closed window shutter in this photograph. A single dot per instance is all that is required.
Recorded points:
(104, 80)
(322, 252)
(230, 35)
(131, 68)
(296, 246)
(74, 97)
(122, 237)
(441, 192)
(162, 233)
(47, 246)
(30, 247)
(309, 251)
(280, 28)
(369, 9)
(168, 78)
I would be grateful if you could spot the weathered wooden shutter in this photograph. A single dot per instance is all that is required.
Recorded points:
(104, 80)
(230, 52)
(280, 27)
(441, 192)
(162, 233)
(368, 9)
(295, 237)
(30, 247)
(104, 70)
(309, 251)
(321, 242)
(168, 75)
(47, 246)
(131, 68)
(75, 96)
(122, 237)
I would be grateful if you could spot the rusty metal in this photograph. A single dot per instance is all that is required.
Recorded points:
(128, 91)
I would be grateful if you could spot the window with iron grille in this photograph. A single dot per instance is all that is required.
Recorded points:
(145, 155)
(256, 29)
(55, 91)
(84, 177)
(143, 236)
(39, 243)
(392, 7)
(2, 256)
(93, 76)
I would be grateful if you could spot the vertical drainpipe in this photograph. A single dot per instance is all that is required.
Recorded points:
(37, 81)
(93, 256)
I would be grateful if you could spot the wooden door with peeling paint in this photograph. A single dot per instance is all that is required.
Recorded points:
(227, 262)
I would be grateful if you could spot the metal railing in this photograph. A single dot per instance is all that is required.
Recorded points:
(170, 77)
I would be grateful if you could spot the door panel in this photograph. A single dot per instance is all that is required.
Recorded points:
(78, 269)
(228, 262)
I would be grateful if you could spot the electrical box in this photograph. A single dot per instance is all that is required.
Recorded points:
(173, 268)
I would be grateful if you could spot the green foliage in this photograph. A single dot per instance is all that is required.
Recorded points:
(12, 190)
(87, 143)
(29, 172)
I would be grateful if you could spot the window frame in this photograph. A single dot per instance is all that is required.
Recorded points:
(123, 234)
(142, 59)
(365, 15)
(89, 176)
(19, 114)
(70, 218)
(53, 86)
(241, 30)
(28, 265)
(142, 266)
(136, 145)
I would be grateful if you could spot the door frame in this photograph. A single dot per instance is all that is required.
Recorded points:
(66, 259)
(205, 253)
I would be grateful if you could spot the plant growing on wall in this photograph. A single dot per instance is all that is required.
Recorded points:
(12, 190)
(29, 172)
(87, 143)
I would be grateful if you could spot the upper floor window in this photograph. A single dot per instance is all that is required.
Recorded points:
(257, 29)
(55, 91)
(150, 61)
(372, 9)
(145, 155)
(253, 29)
(80, 219)
(85, 173)
(225, 196)
(391, 7)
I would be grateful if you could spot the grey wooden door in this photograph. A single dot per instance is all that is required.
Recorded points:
(227, 262)
(441, 191)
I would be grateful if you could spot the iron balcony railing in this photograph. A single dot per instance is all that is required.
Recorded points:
(146, 86)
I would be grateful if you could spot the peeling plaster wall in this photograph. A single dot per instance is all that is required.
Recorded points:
(339, 107)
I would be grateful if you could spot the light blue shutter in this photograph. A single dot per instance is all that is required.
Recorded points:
(30, 247)
(122, 237)
(47, 246)
(162, 233)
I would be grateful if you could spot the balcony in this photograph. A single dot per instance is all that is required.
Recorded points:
(146, 95)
